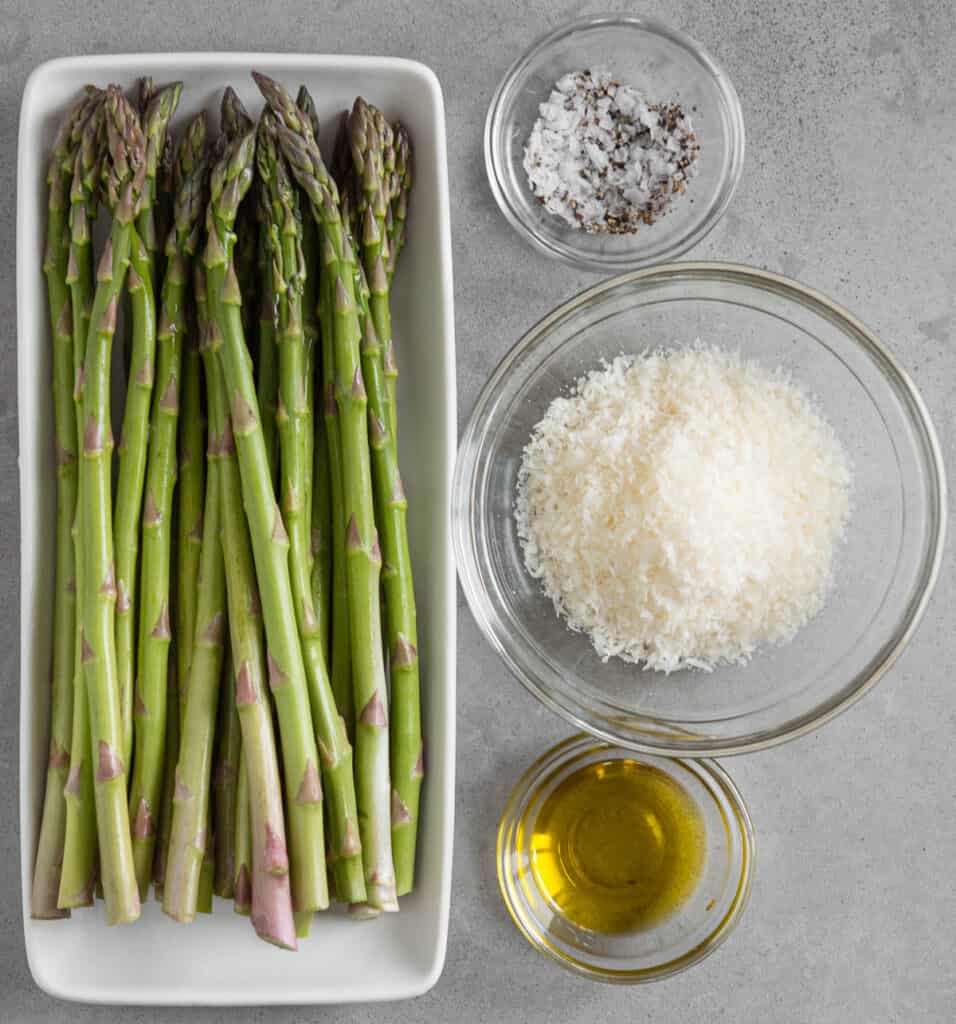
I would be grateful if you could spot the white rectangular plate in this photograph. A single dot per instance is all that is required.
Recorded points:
(218, 959)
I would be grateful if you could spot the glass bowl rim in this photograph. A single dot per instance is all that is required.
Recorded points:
(673, 743)
(581, 745)
(567, 252)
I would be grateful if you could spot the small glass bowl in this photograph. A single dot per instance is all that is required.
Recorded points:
(665, 65)
(884, 572)
(681, 940)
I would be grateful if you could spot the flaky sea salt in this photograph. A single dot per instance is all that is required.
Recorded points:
(604, 158)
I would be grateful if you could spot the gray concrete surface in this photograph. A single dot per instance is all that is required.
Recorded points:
(850, 186)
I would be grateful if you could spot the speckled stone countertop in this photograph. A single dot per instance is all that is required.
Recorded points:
(849, 186)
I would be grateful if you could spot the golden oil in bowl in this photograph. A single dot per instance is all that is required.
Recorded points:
(617, 846)
(624, 867)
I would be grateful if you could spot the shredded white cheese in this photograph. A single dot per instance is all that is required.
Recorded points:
(683, 508)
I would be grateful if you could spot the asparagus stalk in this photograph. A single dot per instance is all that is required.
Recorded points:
(145, 90)
(164, 202)
(316, 497)
(125, 174)
(310, 306)
(242, 882)
(207, 869)
(49, 859)
(391, 505)
(340, 644)
(235, 122)
(341, 639)
(165, 186)
(225, 779)
(191, 152)
(295, 462)
(170, 757)
(189, 522)
(80, 843)
(192, 461)
(341, 166)
(135, 434)
(267, 369)
(321, 529)
(155, 632)
(189, 505)
(306, 105)
(362, 545)
(262, 884)
(188, 840)
(230, 181)
(157, 107)
(399, 193)
(303, 923)
(132, 472)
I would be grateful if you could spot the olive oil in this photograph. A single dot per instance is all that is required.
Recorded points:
(617, 846)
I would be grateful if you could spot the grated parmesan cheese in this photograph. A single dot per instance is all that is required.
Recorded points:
(683, 508)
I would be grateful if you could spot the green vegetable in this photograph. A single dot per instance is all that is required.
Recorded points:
(155, 633)
(189, 840)
(368, 153)
(124, 175)
(53, 824)
(135, 433)
(362, 546)
(230, 181)
(80, 843)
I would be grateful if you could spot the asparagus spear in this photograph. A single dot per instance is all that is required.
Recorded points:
(145, 90)
(134, 437)
(230, 181)
(310, 254)
(267, 369)
(306, 105)
(189, 506)
(341, 166)
(157, 107)
(163, 203)
(189, 838)
(293, 411)
(234, 119)
(125, 174)
(189, 520)
(400, 191)
(262, 885)
(170, 757)
(207, 869)
(155, 632)
(235, 122)
(225, 778)
(362, 546)
(79, 847)
(340, 644)
(165, 188)
(47, 869)
(341, 640)
(192, 462)
(321, 531)
(242, 881)
(132, 472)
(391, 504)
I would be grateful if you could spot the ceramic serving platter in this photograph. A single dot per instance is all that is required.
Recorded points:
(218, 959)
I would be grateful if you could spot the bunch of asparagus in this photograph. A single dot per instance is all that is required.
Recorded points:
(235, 691)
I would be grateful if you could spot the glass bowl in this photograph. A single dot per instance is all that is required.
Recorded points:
(693, 931)
(665, 65)
(884, 572)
